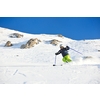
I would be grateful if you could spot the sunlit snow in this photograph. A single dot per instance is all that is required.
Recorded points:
(35, 65)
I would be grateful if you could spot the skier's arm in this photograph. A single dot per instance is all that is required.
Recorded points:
(58, 52)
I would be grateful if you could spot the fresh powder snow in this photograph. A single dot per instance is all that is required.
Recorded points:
(35, 65)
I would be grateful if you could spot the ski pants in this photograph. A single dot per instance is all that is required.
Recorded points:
(66, 58)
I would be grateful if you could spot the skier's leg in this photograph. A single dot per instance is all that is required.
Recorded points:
(68, 59)
(64, 59)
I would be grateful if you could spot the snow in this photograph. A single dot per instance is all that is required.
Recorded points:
(35, 65)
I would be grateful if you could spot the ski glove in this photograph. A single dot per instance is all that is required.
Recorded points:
(56, 53)
(67, 47)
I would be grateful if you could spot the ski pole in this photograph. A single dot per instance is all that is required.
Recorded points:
(55, 61)
(76, 51)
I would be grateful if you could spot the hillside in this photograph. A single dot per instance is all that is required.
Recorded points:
(34, 65)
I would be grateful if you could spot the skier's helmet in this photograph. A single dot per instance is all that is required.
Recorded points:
(61, 46)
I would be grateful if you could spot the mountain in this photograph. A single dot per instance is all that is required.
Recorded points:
(31, 62)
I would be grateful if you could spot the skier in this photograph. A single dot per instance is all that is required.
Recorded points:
(64, 51)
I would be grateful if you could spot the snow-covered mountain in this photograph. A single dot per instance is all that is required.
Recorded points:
(35, 65)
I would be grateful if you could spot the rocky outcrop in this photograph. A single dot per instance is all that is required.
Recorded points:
(55, 42)
(59, 35)
(8, 44)
(16, 35)
(30, 43)
(87, 57)
(98, 50)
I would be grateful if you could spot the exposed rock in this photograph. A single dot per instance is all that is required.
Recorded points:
(98, 50)
(55, 42)
(30, 43)
(8, 44)
(59, 35)
(88, 57)
(16, 35)
(33, 42)
(24, 46)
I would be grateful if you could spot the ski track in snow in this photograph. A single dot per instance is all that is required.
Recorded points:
(35, 65)
(51, 74)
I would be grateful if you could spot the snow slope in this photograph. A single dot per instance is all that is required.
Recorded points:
(35, 65)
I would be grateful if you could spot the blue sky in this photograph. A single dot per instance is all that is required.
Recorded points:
(77, 28)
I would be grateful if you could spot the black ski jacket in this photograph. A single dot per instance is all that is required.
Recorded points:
(63, 51)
